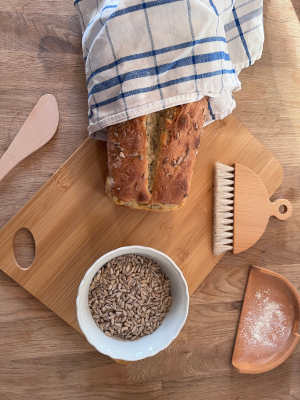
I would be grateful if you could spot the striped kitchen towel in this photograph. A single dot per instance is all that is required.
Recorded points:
(142, 56)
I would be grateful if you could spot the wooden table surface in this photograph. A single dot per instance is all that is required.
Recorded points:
(43, 358)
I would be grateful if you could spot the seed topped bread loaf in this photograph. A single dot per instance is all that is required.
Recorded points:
(151, 158)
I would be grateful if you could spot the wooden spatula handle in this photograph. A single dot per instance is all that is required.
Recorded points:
(7, 163)
(281, 209)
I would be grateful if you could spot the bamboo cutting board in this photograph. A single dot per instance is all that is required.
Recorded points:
(73, 222)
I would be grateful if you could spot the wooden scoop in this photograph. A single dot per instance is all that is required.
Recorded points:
(37, 130)
(268, 330)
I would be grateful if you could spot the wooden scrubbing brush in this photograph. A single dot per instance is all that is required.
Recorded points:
(242, 208)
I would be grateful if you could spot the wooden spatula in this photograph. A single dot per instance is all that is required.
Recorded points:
(38, 129)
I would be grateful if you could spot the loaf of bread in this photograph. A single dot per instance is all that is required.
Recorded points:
(151, 158)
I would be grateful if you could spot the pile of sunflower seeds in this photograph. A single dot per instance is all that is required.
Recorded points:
(129, 297)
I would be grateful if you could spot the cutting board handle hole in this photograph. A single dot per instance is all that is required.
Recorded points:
(283, 209)
(24, 248)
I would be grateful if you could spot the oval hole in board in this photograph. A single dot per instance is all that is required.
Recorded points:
(24, 248)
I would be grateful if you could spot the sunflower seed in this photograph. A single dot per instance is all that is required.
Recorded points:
(129, 297)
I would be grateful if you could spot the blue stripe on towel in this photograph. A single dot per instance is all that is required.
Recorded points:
(162, 85)
(136, 7)
(210, 110)
(152, 49)
(140, 6)
(214, 7)
(156, 52)
(160, 69)
(244, 18)
(193, 39)
(109, 6)
(120, 82)
(238, 25)
(245, 32)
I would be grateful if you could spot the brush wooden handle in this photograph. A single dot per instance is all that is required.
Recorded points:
(37, 130)
(281, 209)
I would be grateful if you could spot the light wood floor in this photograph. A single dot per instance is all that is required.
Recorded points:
(43, 358)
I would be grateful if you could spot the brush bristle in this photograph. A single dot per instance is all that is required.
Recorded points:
(223, 208)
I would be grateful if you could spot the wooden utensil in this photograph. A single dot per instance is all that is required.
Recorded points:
(73, 222)
(242, 208)
(269, 323)
(37, 130)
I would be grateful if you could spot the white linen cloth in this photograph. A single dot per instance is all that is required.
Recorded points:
(143, 56)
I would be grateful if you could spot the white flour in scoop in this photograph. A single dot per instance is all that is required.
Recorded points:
(265, 324)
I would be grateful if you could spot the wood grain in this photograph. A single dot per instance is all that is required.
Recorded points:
(41, 357)
(74, 222)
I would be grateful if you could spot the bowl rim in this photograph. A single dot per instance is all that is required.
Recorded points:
(111, 254)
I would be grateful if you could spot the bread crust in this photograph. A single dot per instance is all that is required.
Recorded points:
(127, 162)
(179, 144)
(128, 159)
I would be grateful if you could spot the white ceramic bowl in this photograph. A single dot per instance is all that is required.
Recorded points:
(148, 345)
